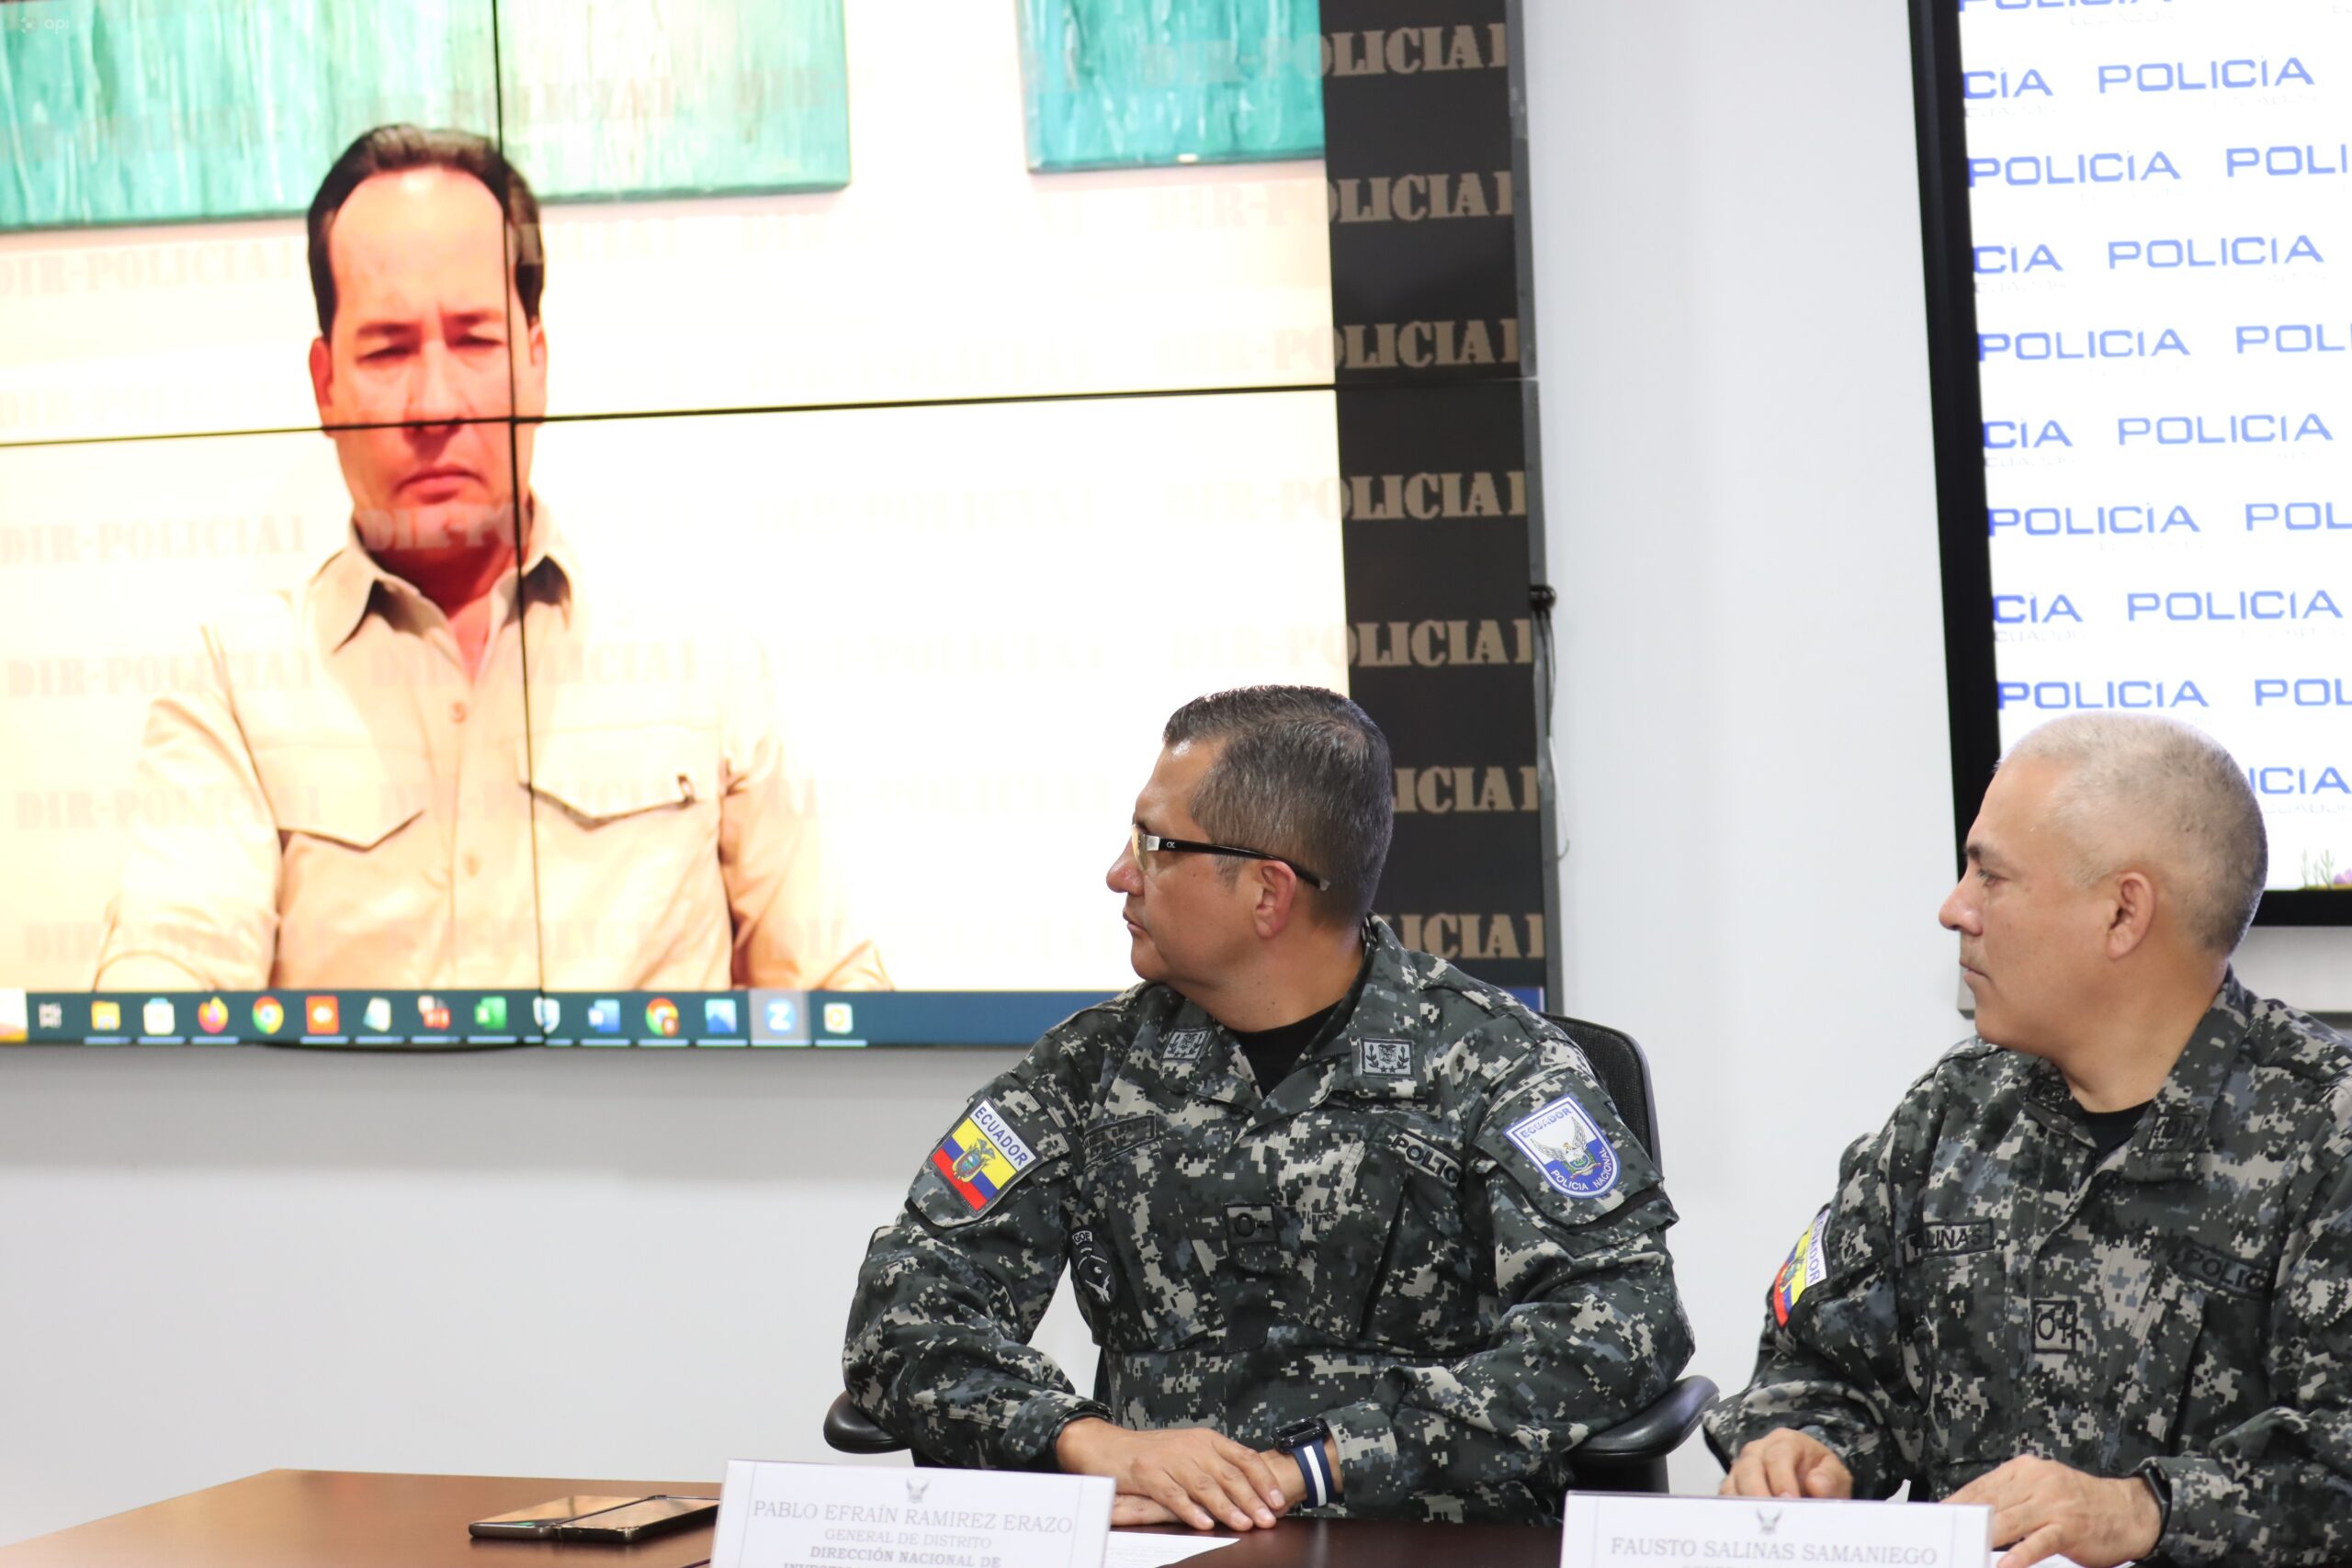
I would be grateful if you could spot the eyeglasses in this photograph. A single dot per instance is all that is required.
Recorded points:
(1138, 842)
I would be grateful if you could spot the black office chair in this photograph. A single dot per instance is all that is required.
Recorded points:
(1631, 1456)
(1628, 1457)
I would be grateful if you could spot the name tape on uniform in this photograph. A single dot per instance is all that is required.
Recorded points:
(779, 1514)
(1611, 1530)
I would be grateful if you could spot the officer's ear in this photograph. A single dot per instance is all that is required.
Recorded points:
(322, 378)
(1277, 905)
(2131, 913)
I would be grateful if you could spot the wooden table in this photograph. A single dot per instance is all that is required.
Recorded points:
(334, 1519)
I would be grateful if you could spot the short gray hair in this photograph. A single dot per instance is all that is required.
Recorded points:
(1305, 773)
(2140, 788)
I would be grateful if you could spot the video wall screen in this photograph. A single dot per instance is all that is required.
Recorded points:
(738, 609)
(2162, 267)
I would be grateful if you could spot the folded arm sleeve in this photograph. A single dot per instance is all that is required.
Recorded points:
(2277, 1490)
(1832, 1369)
(197, 906)
(795, 924)
(937, 1350)
(1593, 1328)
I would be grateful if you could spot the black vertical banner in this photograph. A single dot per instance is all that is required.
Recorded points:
(1425, 150)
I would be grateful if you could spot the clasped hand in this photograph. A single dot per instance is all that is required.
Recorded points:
(2040, 1508)
(1186, 1475)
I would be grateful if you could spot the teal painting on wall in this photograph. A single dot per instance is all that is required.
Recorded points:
(1118, 84)
(152, 111)
(610, 98)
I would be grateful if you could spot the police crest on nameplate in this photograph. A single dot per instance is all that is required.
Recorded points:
(778, 1514)
(1616, 1530)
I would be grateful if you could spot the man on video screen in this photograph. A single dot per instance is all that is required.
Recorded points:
(448, 760)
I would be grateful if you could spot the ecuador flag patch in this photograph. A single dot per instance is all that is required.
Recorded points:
(1805, 1269)
(980, 1157)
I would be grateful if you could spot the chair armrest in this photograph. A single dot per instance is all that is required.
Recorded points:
(1652, 1434)
(852, 1431)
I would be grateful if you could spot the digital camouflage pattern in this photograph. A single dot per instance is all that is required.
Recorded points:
(1369, 1246)
(2184, 1311)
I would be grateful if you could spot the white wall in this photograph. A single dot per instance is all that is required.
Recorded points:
(1739, 483)
(569, 1263)
(215, 1263)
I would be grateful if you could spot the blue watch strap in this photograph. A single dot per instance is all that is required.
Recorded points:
(1314, 1465)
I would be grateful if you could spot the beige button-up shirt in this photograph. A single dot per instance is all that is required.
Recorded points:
(606, 805)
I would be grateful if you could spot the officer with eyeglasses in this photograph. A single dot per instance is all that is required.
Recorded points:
(1358, 1235)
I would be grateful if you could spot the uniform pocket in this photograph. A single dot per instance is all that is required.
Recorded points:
(2228, 1381)
(1955, 1307)
(1426, 1296)
(625, 824)
(350, 797)
(601, 776)
(2150, 1407)
(362, 871)
(1142, 1282)
(1317, 1243)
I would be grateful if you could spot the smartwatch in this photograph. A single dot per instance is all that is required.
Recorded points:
(1304, 1441)
(2159, 1483)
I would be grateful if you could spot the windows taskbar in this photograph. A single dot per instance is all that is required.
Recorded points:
(453, 1020)
(385, 1019)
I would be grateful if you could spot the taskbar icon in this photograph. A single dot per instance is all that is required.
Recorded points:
(670, 1018)
(395, 1019)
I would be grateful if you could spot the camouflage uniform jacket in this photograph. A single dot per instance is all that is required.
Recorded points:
(1977, 1290)
(1370, 1244)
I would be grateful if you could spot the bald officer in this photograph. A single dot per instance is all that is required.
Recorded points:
(2096, 1271)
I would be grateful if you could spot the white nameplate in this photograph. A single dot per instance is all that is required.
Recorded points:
(776, 1515)
(1606, 1530)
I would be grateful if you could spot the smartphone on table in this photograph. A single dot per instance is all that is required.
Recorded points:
(640, 1520)
(598, 1518)
(540, 1521)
